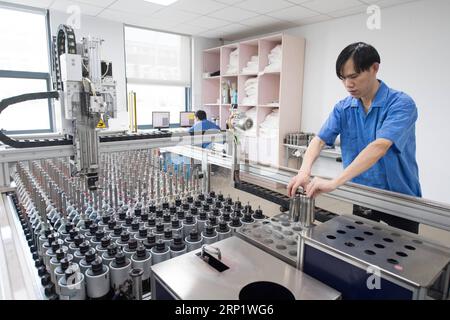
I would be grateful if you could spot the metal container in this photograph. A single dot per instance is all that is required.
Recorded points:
(190, 223)
(72, 286)
(301, 209)
(142, 259)
(223, 230)
(209, 235)
(178, 247)
(160, 252)
(98, 283)
(120, 270)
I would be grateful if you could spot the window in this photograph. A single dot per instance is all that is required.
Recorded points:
(24, 68)
(158, 68)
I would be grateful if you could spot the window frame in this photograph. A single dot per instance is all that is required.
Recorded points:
(187, 90)
(21, 74)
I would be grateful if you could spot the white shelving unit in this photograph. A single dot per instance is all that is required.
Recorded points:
(279, 90)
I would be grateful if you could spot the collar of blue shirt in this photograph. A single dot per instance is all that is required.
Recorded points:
(380, 97)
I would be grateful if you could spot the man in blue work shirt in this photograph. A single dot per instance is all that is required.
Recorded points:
(376, 125)
(202, 125)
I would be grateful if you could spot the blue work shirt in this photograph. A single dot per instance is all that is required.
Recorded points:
(391, 116)
(201, 127)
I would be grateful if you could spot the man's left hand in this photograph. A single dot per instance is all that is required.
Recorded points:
(318, 186)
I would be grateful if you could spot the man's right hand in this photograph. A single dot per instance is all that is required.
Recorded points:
(300, 180)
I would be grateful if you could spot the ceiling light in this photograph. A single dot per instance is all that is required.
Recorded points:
(162, 2)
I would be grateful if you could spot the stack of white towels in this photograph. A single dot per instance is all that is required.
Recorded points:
(274, 60)
(233, 65)
(252, 65)
(251, 92)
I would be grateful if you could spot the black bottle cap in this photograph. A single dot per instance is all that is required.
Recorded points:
(206, 207)
(99, 234)
(93, 228)
(166, 217)
(106, 218)
(193, 235)
(151, 221)
(229, 201)
(111, 224)
(45, 280)
(235, 222)
(124, 237)
(69, 226)
(189, 199)
(219, 205)
(132, 244)
(122, 215)
(88, 223)
(120, 259)
(137, 212)
(159, 213)
(56, 245)
(201, 197)
(168, 234)
(248, 208)
(209, 230)
(220, 197)
(112, 249)
(197, 203)
(152, 208)
(65, 263)
(227, 208)
(106, 241)
(181, 214)
(144, 216)
(209, 200)
(150, 241)
(258, 214)
(172, 209)
(128, 220)
(160, 246)
(97, 266)
(223, 226)
(212, 194)
(185, 206)
(212, 220)
(194, 211)
(118, 230)
(73, 233)
(216, 212)
(248, 218)
(165, 205)
(90, 255)
(49, 290)
(135, 225)
(203, 215)
(189, 219)
(177, 244)
(178, 202)
(38, 262)
(84, 247)
(159, 227)
(237, 213)
(175, 223)
(50, 239)
(143, 232)
(226, 216)
(70, 271)
(60, 254)
(141, 252)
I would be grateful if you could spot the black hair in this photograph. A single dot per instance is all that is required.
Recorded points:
(201, 115)
(363, 55)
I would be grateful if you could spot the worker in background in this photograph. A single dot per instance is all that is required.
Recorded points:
(202, 124)
(376, 125)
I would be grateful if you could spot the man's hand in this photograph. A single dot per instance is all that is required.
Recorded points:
(300, 180)
(318, 186)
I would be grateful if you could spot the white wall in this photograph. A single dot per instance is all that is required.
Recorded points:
(112, 50)
(415, 51)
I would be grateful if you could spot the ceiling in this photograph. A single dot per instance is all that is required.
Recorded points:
(226, 19)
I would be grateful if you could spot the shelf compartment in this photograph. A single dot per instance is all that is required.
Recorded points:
(268, 89)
